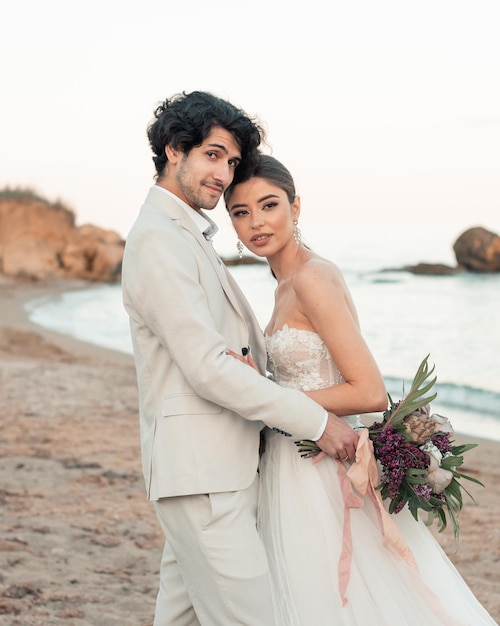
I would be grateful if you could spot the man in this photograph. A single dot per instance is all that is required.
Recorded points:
(201, 410)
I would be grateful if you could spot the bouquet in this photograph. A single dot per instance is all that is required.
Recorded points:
(416, 456)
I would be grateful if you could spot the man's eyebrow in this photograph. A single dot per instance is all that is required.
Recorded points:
(223, 149)
(218, 145)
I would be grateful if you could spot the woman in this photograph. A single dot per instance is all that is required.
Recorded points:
(314, 343)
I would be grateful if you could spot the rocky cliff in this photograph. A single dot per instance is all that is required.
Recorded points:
(39, 240)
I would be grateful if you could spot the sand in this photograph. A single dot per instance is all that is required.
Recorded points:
(79, 543)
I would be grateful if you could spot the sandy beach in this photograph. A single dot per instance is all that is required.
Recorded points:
(79, 543)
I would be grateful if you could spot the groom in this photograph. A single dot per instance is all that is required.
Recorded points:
(201, 410)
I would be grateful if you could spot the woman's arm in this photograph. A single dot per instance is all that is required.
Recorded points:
(324, 299)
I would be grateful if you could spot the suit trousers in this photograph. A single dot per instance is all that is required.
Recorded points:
(214, 569)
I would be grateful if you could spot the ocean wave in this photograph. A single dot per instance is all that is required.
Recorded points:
(453, 396)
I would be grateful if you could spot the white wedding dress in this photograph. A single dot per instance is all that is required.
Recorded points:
(301, 517)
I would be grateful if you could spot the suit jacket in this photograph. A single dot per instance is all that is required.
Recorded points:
(200, 410)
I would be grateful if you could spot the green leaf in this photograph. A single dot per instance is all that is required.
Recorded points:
(472, 480)
(441, 515)
(465, 447)
(415, 398)
(453, 517)
(452, 461)
(431, 516)
(453, 489)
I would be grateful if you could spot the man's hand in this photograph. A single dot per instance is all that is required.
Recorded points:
(248, 360)
(338, 440)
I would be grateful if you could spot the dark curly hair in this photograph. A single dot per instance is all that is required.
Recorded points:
(186, 119)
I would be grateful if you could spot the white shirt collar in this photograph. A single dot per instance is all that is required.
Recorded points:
(206, 225)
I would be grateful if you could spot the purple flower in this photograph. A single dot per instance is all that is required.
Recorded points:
(399, 507)
(439, 496)
(423, 491)
(442, 441)
(397, 456)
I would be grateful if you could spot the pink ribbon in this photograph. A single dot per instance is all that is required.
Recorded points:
(363, 475)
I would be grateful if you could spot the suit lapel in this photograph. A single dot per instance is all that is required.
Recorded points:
(219, 268)
(255, 332)
(168, 205)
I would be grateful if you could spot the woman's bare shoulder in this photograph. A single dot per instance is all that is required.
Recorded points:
(318, 271)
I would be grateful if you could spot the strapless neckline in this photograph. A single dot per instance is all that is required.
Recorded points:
(286, 328)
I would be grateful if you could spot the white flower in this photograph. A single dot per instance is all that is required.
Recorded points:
(437, 477)
(432, 451)
(441, 424)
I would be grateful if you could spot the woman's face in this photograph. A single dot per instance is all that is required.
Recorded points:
(263, 216)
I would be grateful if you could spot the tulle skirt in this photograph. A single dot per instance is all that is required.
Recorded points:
(301, 518)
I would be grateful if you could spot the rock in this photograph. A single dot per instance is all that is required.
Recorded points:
(39, 240)
(246, 260)
(93, 253)
(478, 249)
(433, 269)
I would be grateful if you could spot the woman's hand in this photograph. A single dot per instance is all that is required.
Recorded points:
(248, 359)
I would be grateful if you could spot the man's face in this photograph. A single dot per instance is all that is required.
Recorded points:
(200, 177)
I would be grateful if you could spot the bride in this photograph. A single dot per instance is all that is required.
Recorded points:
(314, 344)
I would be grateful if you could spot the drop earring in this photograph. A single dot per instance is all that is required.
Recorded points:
(297, 235)
(239, 247)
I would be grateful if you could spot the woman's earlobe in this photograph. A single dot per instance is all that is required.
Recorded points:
(296, 207)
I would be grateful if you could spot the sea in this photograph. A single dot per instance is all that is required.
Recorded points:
(404, 317)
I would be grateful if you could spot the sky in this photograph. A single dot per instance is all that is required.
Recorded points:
(385, 112)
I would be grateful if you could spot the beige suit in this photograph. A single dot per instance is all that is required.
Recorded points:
(200, 410)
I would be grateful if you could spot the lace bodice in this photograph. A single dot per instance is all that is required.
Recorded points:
(299, 358)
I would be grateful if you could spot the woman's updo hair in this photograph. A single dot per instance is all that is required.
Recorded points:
(270, 169)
